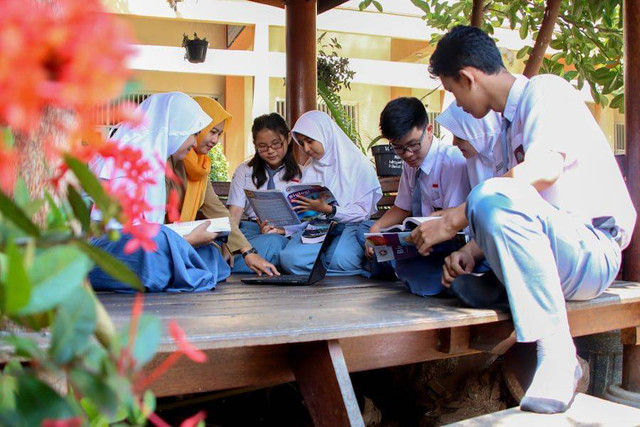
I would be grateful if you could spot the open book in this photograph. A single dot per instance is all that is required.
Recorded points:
(276, 206)
(222, 226)
(391, 242)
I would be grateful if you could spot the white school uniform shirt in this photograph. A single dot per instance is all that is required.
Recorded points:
(242, 179)
(444, 182)
(547, 113)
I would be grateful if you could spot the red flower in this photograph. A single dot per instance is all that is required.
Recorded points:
(184, 346)
(66, 422)
(69, 54)
(8, 160)
(194, 420)
(173, 209)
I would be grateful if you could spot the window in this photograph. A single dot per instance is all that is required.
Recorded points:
(436, 126)
(619, 144)
(105, 116)
(351, 108)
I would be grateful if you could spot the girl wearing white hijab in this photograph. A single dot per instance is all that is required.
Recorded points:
(336, 163)
(172, 119)
(476, 139)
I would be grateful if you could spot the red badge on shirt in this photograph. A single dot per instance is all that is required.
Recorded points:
(434, 185)
(519, 154)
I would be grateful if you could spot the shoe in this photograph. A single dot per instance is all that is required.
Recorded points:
(480, 291)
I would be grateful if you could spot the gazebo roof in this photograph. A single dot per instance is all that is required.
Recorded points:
(323, 5)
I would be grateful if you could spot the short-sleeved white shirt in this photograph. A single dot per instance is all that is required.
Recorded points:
(547, 113)
(444, 182)
(242, 180)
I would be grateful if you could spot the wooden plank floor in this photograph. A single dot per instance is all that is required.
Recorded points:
(238, 315)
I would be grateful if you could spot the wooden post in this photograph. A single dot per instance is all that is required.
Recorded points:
(476, 13)
(631, 359)
(544, 38)
(302, 73)
(631, 257)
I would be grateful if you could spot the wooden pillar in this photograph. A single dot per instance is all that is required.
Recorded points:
(632, 127)
(301, 60)
(631, 360)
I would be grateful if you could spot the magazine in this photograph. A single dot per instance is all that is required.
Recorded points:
(316, 231)
(391, 242)
(222, 226)
(276, 206)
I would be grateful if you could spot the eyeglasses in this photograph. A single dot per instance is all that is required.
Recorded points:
(412, 147)
(263, 148)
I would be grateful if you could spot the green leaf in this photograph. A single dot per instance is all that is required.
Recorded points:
(110, 265)
(74, 323)
(377, 5)
(36, 401)
(147, 339)
(24, 347)
(97, 390)
(8, 387)
(524, 29)
(56, 273)
(91, 184)
(17, 288)
(55, 217)
(14, 214)
(79, 207)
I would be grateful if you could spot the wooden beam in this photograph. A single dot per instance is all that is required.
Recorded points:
(631, 14)
(324, 382)
(631, 359)
(302, 76)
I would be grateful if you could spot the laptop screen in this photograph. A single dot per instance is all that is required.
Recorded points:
(323, 260)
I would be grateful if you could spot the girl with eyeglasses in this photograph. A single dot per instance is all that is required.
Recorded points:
(338, 164)
(198, 200)
(273, 166)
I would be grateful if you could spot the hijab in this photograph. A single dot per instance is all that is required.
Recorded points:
(343, 168)
(197, 166)
(170, 118)
(482, 134)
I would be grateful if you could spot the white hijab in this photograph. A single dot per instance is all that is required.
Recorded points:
(343, 168)
(482, 134)
(170, 118)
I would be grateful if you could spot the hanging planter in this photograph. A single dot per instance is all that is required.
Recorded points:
(196, 48)
(388, 163)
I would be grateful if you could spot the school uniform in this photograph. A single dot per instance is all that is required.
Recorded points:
(175, 266)
(266, 244)
(563, 242)
(440, 182)
(352, 180)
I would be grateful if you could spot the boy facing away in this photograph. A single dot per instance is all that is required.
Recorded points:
(552, 227)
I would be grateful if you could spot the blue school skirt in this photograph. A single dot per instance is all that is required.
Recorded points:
(175, 265)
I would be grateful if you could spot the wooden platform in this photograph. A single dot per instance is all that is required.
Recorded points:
(586, 411)
(258, 335)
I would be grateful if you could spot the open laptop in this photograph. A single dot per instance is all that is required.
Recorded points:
(319, 270)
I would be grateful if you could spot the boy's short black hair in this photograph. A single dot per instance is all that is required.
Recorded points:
(465, 46)
(400, 116)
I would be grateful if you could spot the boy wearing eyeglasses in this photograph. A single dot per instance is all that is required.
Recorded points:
(434, 177)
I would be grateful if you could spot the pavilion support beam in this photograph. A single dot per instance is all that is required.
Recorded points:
(302, 73)
(631, 257)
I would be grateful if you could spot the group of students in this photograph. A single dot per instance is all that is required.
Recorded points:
(530, 177)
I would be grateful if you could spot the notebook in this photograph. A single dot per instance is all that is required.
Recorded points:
(319, 270)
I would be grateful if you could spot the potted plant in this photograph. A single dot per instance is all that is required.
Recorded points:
(388, 163)
(196, 48)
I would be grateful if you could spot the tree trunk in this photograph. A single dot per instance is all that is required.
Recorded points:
(544, 38)
(476, 13)
(34, 163)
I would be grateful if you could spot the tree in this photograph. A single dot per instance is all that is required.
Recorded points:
(586, 36)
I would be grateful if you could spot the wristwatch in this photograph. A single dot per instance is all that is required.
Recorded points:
(334, 209)
(250, 251)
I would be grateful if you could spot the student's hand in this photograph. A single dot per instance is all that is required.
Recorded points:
(200, 236)
(227, 255)
(304, 204)
(266, 228)
(430, 233)
(456, 264)
(259, 265)
(368, 248)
